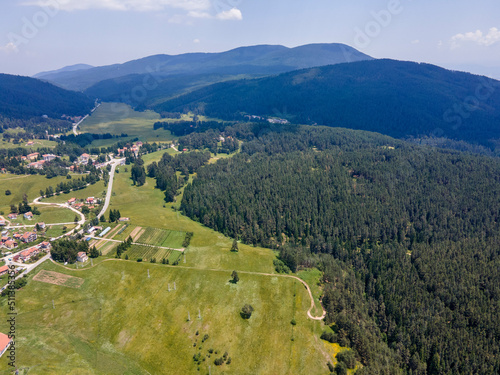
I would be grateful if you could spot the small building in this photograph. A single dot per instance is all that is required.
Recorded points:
(4, 343)
(5, 239)
(29, 237)
(33, 156)
(124, 219)
(26, 255)
(82, 257)
(36, 164)
(12, 216)
(45, 245)
(10, 244)
(84, 158)
(2, 222)
(48, 157)
(28, 215)
(41, 225)
(4, 270)
(71, 201)
(91, 200)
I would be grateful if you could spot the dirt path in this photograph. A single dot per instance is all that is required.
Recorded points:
(309, 312)
(137, 232)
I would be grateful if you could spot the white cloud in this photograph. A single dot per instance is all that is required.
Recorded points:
(9, 48)
(196, 41)
(232, 14)
(486, 40)
(124, 5)
(197, 14)
(416, 41)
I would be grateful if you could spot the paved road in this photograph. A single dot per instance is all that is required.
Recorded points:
(75, 132)
(27, 267)
(114, 163)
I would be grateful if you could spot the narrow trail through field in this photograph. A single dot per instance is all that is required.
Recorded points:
(309, 312)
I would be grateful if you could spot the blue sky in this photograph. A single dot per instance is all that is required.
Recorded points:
(39, 35)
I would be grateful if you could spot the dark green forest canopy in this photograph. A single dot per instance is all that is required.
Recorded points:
(397, 98)
(407, 238)
(25, 98)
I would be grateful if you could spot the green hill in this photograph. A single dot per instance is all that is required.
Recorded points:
(396, 98)
(24, 98)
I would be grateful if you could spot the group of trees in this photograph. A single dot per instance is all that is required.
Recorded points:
(165, 171)
(124, 246)
(406, 238)
(66, 250)
(138, 172)
(114, 216)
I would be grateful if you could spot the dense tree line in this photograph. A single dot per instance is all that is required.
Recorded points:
(66, 250)
(180, 128)
(406, 237)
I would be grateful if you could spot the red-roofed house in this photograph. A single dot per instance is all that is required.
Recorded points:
(41, 225)
(71, 201)
(82, 257)
(2, 222)
(10, 244)
(4, 343)
(12, 216)
(84, 158)
(4, 270)
(28, 237)
(26, 255)
(45, 245)
(48, 157)
(91, 200)
(33, 156)
(28, 215)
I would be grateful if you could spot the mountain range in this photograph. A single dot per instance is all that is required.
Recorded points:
(254, 60)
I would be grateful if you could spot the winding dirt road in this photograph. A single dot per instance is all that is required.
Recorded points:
(309, 312)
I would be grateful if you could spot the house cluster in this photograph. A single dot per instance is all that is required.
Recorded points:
(27, 254)
(11, 242)
(134, 148)
(90, 202)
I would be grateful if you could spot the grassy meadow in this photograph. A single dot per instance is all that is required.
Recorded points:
(118, 118)
(122, 322)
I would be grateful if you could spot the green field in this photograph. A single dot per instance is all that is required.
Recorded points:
(19, 185)
(147, 253)
(122, 322)
(208, 249)
(38, 143)
(118, 118)
(162, 238)
(97, 190)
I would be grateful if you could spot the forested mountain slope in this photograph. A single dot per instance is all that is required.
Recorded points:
(407, 238)
(396, 98)
(24, 98)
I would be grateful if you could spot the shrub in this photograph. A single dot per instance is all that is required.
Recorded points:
(341, 369)
(219, 362)
(139, 260)
(246, 311)
(347, 357)
(328, 336)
